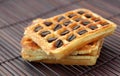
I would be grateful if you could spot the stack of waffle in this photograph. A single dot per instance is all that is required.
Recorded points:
(72, 38)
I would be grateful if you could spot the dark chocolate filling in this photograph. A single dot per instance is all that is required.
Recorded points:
(93, 27)
(82, 32)
(77, 19)
(37, 28)
(58, 26)
(88, 16)
(65, 32)
(71, 15)
(44, 33)
(48, 23)
(85, 22)
(96, 20)
(81, 12)
(71, 37)
(51, 39)
(66, 23)
(60, 18)
(58, 43)
(76, 27)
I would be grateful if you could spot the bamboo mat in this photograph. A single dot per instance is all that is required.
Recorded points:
(15, 15)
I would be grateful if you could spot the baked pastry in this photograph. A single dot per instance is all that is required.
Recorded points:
(32, 52)
(73, 60)
(63, 34)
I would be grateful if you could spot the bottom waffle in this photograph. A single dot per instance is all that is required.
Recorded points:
(85, 59)
(84, 56)
(73, 60)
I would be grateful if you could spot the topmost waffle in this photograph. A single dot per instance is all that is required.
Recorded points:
(62, 34)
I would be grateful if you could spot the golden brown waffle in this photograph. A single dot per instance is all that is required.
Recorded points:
(74, 60)
(62, 34)
(32, 52)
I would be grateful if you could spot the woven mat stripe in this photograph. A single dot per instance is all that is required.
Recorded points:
(54, 4)
(44, 13)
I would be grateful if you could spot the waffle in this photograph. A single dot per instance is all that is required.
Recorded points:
(73, 60)
(32, 52)
(63, 34)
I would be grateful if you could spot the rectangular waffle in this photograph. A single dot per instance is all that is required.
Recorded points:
(63, 34)
(32, 52)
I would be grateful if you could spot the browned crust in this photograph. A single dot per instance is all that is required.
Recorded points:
(26, 42)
